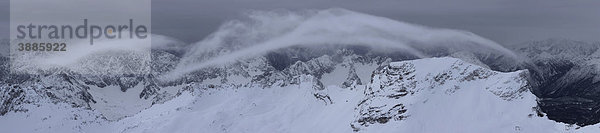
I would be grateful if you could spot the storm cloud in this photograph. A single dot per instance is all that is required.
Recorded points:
(505, 22)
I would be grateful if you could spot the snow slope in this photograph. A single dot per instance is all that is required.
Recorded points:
(449, 95)
(433, 95)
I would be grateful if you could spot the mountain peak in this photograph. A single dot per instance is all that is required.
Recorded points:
(439, 92)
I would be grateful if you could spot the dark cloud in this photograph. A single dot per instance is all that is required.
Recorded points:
(500, 20)
(4, 17)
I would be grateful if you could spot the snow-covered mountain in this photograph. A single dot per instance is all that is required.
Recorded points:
(440, 91)
(412, 96)
(311, 72)
(565, 78)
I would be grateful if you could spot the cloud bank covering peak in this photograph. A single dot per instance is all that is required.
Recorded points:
(261, 32)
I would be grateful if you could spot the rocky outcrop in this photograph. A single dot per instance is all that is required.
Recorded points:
(396, 88)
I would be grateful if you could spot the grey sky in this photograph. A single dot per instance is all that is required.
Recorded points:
(504, 21)
(4, 17)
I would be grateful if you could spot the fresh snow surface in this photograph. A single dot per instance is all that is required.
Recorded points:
(287, 109)
(115, 104)
(294, 108)
(439, 99)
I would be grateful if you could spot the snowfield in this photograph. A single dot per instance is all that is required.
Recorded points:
(426, 95)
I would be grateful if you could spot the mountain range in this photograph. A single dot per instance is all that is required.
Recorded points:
(339, 89)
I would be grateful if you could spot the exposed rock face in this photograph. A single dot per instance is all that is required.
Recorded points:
(64, 85)
(565, 78)
(563, 74)
(401, 86)
(352, 79)
(61, 85)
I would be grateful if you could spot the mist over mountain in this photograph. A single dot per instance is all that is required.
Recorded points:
(332, 70)
(269, 31)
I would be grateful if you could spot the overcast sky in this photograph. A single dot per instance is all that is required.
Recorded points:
(504, 21)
